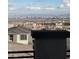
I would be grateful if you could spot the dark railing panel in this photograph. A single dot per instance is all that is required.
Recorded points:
(20, 52)
(17, 52)
(22, 57)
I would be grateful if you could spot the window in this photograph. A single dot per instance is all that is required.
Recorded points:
(11, 37)
(23, 37)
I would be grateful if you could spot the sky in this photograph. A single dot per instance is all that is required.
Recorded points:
(38, 7)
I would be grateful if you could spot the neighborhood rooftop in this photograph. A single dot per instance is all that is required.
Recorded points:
(18, 30)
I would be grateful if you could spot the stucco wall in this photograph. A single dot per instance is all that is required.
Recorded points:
(16, 39)
(29, 38)
(22, 41)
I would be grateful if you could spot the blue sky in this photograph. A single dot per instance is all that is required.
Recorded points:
(38, 7)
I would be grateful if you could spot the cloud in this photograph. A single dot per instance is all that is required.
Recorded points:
(11, 7)
(61, 6)
(39, 8)
(66, 2)
(33, 8)
(49, 8)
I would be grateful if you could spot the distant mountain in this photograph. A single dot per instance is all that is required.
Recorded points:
(37, 15)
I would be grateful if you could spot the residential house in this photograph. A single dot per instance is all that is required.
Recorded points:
(20, 35)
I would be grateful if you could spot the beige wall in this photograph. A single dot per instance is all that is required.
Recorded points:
(22, 41)
(16, 38)
(29, 38)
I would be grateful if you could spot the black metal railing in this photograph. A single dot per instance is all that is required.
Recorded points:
(31, 56)
(20, 52)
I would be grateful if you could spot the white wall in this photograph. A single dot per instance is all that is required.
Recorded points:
(22, 41)
(30, 38)
(14, 38)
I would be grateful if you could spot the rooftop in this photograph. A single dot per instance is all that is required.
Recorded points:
(18, 30)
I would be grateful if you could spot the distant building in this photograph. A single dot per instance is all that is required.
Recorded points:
(10, 25)
(20, 35)
(43, 25)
